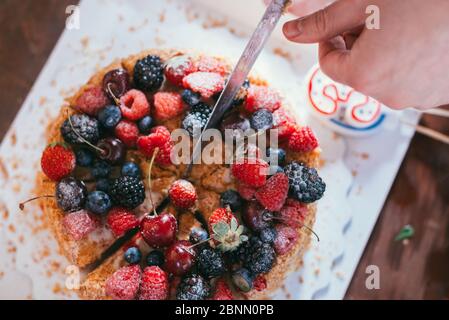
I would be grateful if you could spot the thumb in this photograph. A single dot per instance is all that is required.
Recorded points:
(340, 16)
(336, 60)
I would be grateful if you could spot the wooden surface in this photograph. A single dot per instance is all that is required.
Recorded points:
(420, 195)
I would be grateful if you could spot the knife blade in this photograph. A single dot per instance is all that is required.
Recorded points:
(238, 76)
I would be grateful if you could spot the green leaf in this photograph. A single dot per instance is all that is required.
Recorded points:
(234, 224)
(406, 232)
(220, 228)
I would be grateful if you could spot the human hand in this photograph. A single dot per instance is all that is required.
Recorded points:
(403, 64)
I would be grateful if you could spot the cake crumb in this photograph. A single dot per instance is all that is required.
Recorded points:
(282, 53)
(84, 42)
(13, 138)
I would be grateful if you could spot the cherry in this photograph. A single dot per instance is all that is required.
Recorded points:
(179, 258)
(116, 83)
(256, 217)
(112, 150)
(159, 230)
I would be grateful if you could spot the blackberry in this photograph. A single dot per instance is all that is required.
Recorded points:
(86, 127)
(196, 118)
(128, 192)
(71, 194)
(261, 120)
(259, 256)
(305, 184)
(191, 98)
(268, 235)
(210, 263)
(193, 287)
(149, 73)
(232, 199)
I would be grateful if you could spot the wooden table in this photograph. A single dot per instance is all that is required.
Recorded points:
(420, 195)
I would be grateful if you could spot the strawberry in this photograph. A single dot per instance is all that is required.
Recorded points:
(182, 194)
(205, 83)
(124, 283)
(167, 105)
(284, 123)
(212, 64)
(246, 192)
(303, 140)
(222, 291)
(58, 161)
(91, 101)
(120, 220)
(79, 224)
(219, 215)
(286, 238)
(159, 137)
(273, 194)
(260, 97)
(134, 105)
(177, 68)
(260, 283)
(154, 284)
(293, 213)
(128, 132)
(250, 171)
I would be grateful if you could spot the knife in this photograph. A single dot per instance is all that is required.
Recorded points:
(238, 76)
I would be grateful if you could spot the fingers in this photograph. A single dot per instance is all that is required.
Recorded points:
(335, 60)
(340, 16)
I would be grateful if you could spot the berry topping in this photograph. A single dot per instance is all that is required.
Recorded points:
(128, 192)
(70, 194)
(91, 101)
(145, 124)
(109, 116)
(193, 287)
(260, 97)
(293, 213)
(273, 194)
(243, 279)
(133, 255)
(121, 220)
(198, 235)
(84, 157)
(134, 105)
(100, 169)
(155, 258)
(210, 263)
(256, 217)
(196, 119)
(268, 235)
(154, 284)
(86, 128)
(302, 140)
(250, 171)
(232, 199)
(98, 202)
(124, 283)
(159, 231)
(286, 238)
(79, 224)
(128, 132)
(116, 83)
(190, 97)
(205, 83)
(158, 138)
(234, 125)
(219, 215)
(167, 105)
(179, 258)
(246, 192)
(259, 257)
(284, 123)
(305, 184)
(58, 161)
(177, 68)
(112, 150)
(149, 73)
(131, 169)
(103, 184)
(182, 194)
(260, 283)
(222, 291)
(212, 64)
(261, 120)
(276, 156)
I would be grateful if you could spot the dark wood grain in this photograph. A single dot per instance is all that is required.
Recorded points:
(420, 195)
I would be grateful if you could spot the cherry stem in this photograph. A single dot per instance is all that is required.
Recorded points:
(22, 204)
(199, 243)
(302, 225)
(82, 139)
(155, 152)
(116, 100)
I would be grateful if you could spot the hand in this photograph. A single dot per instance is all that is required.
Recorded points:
(403, 64)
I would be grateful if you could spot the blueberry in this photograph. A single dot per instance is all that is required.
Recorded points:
(198, 235)
(191, 98)
(131, 169)
(267, 235)
(103, 184)
(84, 157)
(100, 169)
(133, 255)
(98, 202)
(70, 194)
(110, 116)
(232, 199)
(243, 279)
(276, 156)
(155, 258)
(145, 125)
(261, 120)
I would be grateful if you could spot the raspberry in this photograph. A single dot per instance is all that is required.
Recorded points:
(58, 161)
(273, 194)
(260, 283)
(222, 291)
(212, 64)
(293, 213)
(92, 100)
(303, 140)
(286, 238)
(246, 192)
(148, 73)
(121, 220)
(134, 105)
(128, 132)
(205, 83)
(260, 97)
(154, 284)
(182, 194)
(177, 68)
(79, 224)
(252, 172)
(124, 283)
(305, 183)
(284, 123)
(158, 138)
(219, 215)
(167, 105)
